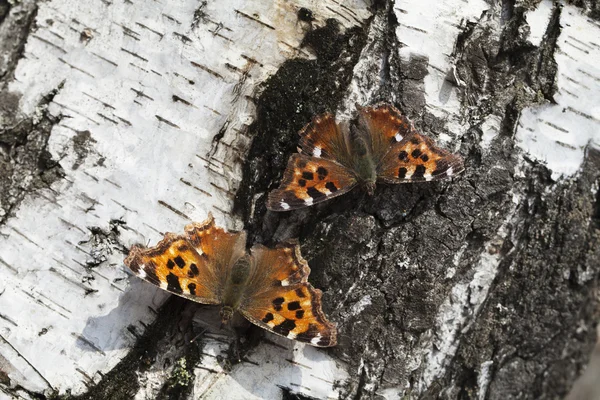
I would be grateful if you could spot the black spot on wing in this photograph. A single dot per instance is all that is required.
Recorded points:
(285, 327)
(308, 176)
(403, 156)
(419, 172)
(402, 173)
(170, 264)
(300, 292)
(277, 303)
(268, 318)
(302, 182)
(293, 305)
(331, 187)
(322, 173)
(315, 194)
(192, 288)
(173, 283)
(193, 271)
(425, 157)
(416, 153)
(179, 261)
(299, 314)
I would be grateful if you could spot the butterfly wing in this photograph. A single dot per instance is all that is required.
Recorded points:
(417, 159)
(280, 299)
(193, 265)
(323, 138)
(309, 180)
(386, 125)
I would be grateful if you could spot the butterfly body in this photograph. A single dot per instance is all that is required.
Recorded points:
(235, 287)
(364, 166)
(382, 146)
(268, 287)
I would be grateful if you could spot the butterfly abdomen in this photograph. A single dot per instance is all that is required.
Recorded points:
(236, 282)
(364, 165)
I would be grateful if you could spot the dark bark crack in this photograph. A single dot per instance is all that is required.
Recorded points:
(26, 165)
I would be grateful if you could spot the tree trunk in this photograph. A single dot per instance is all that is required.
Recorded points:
(122, 120)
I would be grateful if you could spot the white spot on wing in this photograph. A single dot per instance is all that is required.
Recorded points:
(449, 172)
(316, 339)
(308, 201)
(317, 151)
(291, 335)
(284, 205)
(285, 282)
(398, 137)
(164, 285)
(428, 176)
(142, 272)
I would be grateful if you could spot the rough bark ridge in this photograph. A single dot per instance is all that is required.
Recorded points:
(484, 287)
(25, 163)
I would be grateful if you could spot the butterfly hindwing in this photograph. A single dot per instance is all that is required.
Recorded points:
(192, 265)
(282, 300)
(309, 180)
(417, 159)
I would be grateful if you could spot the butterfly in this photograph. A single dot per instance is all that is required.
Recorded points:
(268, 286)
(334, 158)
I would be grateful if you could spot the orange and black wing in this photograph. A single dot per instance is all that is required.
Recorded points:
(323, 138)
(280, 299)
(310, 180)
(193, 265)
(386, 126)
(417, 159)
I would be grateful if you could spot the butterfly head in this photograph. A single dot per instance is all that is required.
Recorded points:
(226, 315)
(370, 188)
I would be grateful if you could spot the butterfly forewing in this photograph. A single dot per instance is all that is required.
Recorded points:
(386, 127)
(417, 159)
(280, 299)
(323, 138)
(309, 180)
(193, 265)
